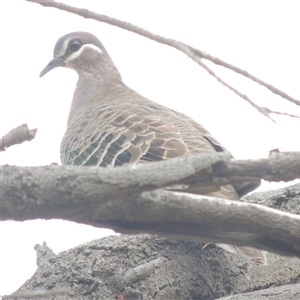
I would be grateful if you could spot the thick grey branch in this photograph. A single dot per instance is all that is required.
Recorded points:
(147, 267)
(129, 199)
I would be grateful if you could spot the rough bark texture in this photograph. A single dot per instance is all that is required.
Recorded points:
(17, 136)
(129, 199)
(145, 267)
(148, 267)
(286, 199)
(290, 292)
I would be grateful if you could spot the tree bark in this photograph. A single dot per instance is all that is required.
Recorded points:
(147, 267)
(289, 292)
(150, 267)
(130, 199)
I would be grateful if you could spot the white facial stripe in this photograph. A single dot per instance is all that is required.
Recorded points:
(78, 53)
(64, 47)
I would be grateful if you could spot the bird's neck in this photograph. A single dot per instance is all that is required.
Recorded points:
(92, 89)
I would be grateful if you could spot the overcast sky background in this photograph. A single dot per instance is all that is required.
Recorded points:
(261, 37)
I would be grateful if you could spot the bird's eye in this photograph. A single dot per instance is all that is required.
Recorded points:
(75, 45)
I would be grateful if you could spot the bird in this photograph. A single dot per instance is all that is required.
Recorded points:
(110, 125)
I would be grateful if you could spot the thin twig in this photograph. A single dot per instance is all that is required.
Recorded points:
(190, 53)
(270, 87)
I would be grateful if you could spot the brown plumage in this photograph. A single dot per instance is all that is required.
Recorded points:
(110, 125)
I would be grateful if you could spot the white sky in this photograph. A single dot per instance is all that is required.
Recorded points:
(259, 36)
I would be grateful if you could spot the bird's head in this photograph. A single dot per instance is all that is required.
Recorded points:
(82, 52)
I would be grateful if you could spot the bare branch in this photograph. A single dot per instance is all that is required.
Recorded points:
(126, 199)
(17, 136)
(194, 54)
(38, 294)
(220, 62)
(263, 110)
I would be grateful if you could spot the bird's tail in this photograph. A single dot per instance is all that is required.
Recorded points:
(252, 254)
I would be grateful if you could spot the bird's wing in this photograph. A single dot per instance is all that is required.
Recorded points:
(113, 134)
(242, 188)
(121, 135)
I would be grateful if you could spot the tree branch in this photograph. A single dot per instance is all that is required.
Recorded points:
(147, 267)
(38, 294)
(246, 74)
(126, 199)
(17, 136)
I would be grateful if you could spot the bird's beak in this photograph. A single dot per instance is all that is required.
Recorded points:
(54, 63)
